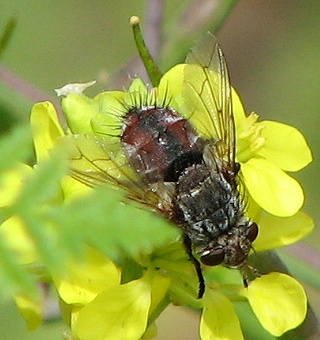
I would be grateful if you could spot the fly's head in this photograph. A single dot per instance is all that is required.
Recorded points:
(231, 249)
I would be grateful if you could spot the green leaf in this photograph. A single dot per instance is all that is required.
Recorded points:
(44, 185)
(39, 192)
(50, 254)
(14, 278)
(116, 228)
(31, 205)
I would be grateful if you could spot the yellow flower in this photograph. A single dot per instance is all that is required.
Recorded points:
(95, 300)
(99, 307)
(266, 150)
(281, 311)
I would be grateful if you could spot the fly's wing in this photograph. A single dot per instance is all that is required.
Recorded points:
(208, 97)
(98, 161)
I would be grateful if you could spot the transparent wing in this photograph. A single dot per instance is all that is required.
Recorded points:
(97, 161)
(208, 94)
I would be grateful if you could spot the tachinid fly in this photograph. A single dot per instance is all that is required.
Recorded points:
(182, 165)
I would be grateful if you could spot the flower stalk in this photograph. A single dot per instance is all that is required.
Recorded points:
(151, 67)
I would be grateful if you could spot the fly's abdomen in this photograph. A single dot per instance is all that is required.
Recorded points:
(159, 143)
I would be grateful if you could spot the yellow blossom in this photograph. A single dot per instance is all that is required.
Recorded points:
(98, 304)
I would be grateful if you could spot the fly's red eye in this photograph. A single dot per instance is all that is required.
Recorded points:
(253, 232)
(214, 257)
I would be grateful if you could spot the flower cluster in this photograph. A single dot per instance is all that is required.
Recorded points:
(95, 300)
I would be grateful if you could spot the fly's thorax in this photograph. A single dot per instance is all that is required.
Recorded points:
(209, 210)
(219, 164)
(205, 204)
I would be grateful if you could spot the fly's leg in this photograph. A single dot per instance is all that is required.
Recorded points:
(196, 263)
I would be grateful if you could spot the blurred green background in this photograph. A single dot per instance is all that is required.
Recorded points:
(272, 48)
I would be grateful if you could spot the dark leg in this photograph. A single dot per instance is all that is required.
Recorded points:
(196, 263)
(248, 274)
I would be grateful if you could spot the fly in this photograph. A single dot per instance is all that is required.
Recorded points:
(183, 166)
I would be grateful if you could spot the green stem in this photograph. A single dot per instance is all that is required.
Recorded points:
(269, 261)
(300, 269)
(7, 34)
(158, 310)
(151, 67)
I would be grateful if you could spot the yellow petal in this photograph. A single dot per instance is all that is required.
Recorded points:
(30, 310)
(108, 121)
(172, 82)
(138, 86)
(275, 232)
(284, 146)
(46, 128)
(219, 320)
(274, 190)
(159, 288)
(253, 210)
(79, 111)
(120, 312)
(278, 301)
(237, 108)
(11, 183)
(87, 279)
(73, 189)
(18, 240)
(172, 86)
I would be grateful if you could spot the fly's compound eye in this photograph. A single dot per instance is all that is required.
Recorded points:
(253, 232)
(213, 257)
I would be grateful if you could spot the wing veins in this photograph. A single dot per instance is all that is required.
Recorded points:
(213, 96)
(222, 100)
(204, 104)
(100, 175)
